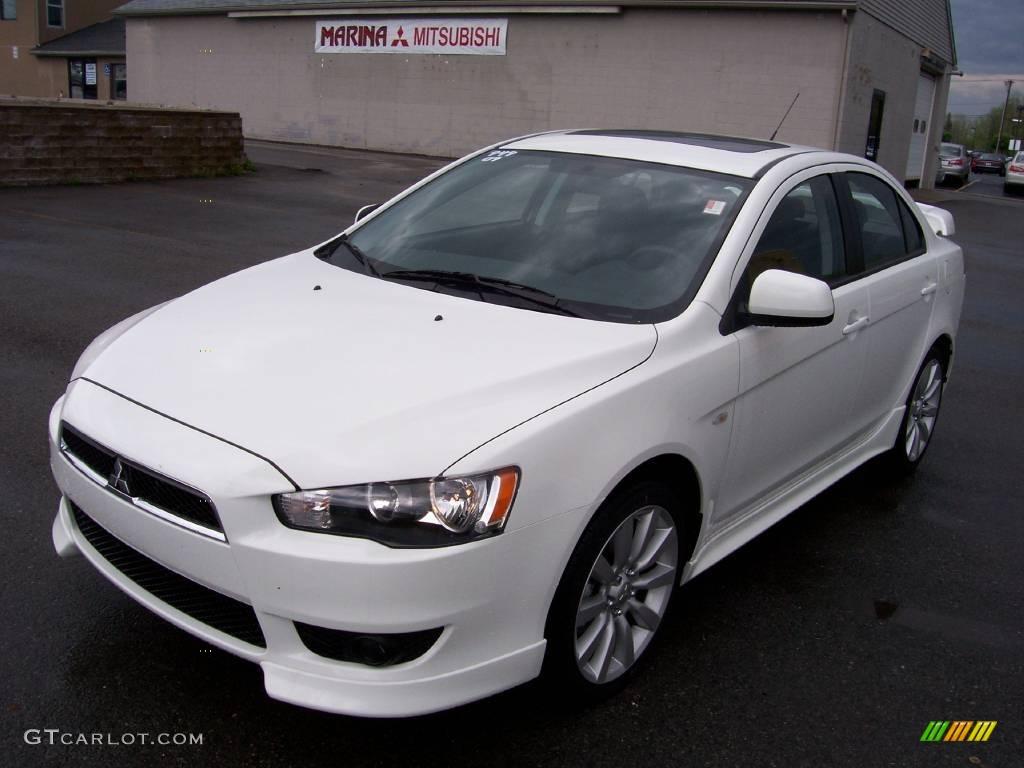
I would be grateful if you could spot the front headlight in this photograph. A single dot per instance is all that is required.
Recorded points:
(411, 513)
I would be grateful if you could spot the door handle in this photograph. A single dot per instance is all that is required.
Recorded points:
(856, 325)
(929, 289)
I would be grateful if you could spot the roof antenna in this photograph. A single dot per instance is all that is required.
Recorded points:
(785, 116)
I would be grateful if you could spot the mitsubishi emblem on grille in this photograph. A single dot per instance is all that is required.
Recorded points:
(117, 480)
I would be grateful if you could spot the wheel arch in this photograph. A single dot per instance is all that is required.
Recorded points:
(678, 472)
(667, 466)
(942, 347)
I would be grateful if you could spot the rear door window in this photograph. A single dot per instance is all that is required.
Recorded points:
(889, 232)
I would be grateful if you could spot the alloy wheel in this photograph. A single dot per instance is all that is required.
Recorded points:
(924, 410)
(626, 594)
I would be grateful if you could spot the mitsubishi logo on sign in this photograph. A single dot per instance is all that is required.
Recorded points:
(117, 481)
(480, 37)
(400, 39)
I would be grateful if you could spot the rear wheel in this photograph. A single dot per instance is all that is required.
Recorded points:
(616, 590)
(920, 417)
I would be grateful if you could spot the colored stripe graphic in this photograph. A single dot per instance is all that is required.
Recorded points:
(958, 730)
(935, 730)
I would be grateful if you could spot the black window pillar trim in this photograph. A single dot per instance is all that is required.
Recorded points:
(851, 227)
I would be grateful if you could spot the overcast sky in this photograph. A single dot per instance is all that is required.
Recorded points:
(990, 47)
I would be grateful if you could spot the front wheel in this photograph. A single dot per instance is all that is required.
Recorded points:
(920, 417)
(615, 590)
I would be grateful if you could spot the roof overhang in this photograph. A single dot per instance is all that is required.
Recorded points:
(247, 10)
(431, 10)
(73, 54)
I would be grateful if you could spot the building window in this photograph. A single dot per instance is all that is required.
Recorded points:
(875, 125)
(55, 13)
(119, 81)
(9, 10)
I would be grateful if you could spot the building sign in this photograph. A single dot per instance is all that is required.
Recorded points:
(90, 73)
(482, 37)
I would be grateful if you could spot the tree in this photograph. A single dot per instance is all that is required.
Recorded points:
(981, 131)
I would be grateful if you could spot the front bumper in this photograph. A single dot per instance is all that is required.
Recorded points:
(490, 597)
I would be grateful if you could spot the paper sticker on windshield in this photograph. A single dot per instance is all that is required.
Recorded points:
(497, 154)
(715, 207)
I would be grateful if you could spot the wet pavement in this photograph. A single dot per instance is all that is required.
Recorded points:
(831, 640)
(990, 185)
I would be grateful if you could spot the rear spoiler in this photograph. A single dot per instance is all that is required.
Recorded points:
(939, 220)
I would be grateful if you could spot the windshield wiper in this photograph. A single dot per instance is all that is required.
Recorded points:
(327, 251)
(494, 285)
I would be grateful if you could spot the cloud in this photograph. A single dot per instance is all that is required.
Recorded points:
(990, 49)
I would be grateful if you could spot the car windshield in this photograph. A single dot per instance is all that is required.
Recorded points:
(950, 150)
(988, 156)
(1019, 158)
(598, 237)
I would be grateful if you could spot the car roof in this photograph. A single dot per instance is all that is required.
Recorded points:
(732, 155)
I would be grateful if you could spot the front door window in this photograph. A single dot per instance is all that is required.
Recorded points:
(82, 78)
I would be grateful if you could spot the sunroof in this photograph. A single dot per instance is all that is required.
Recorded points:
(726, 143)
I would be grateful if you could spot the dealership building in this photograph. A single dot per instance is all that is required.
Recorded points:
(870, 77)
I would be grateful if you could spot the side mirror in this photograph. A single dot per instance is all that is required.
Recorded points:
(788, 300)
(366, 210)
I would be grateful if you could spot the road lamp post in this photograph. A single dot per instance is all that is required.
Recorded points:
(1002, 120)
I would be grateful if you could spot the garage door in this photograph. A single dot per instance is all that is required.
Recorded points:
(922, 118)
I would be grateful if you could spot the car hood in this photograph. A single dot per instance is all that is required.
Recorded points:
(342, 378)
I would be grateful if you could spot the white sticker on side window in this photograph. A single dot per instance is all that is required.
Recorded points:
(715, 207)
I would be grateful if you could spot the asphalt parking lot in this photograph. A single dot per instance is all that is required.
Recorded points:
(832, 640)
(988, 185)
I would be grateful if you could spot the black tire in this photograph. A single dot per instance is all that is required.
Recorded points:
(561, 667)
(901, 458)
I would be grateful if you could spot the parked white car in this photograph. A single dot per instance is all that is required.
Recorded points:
(494, 425)
(1014, 181)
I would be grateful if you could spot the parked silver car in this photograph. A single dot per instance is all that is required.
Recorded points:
(954, 164)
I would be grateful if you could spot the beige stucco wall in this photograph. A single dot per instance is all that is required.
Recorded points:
(731, 72)
(884, 59)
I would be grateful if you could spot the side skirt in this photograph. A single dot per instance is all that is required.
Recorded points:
(770, 510)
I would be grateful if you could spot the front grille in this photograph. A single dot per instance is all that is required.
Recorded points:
(98, 459)
(221, 612)
(145, 484)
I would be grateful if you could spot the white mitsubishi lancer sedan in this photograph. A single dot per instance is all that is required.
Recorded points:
(491, 428)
